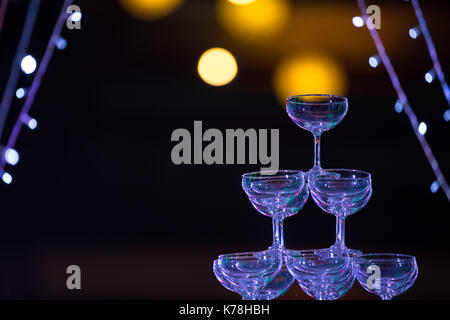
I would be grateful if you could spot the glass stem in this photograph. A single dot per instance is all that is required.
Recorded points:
(277, 230)
(340, 232)
(386, 298)
(316, 150)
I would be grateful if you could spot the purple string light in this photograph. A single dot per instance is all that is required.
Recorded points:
(22, 48)
(3, 6)
(404, 101)
(37, 80)
(431, 49)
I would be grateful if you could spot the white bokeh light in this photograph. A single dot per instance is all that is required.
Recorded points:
(414, 32)
(423, 128)
(7, 178)
(429, 76)
(76, 16)
(28, 64)
(20, 93)
(12, 156)
(374, 61)
(358, 21)
(32, 123)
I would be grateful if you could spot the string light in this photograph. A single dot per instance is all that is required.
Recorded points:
(358, 21)
(29, 121)
(429, 76)
(434, 186)
(7, 178)
(12, 156)
(76, 16)
(28, 64)
(374, 61)
(398, 107)
(21, 51)
(414, 32)
(61, 43)
(420, 129)
(437, 70)
(447, 115)
(20, 93)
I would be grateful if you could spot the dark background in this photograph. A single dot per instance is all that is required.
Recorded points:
(96, 187)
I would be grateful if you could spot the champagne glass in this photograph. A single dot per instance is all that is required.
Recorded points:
(317, 113)
(274, 289)
(250, 271)
(386, 274)
(277, 194)
(322, 274)
(340, 192)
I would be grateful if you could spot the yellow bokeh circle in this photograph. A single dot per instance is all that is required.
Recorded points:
(253, 21)
(217, 67)
(241, 2)
(308, 74)
(150, 9)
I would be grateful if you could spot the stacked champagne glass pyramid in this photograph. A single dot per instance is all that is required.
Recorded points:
(324, 274)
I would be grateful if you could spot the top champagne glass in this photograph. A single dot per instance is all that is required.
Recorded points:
(317, 113)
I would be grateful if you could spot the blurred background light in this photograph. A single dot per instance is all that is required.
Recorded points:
(414, 32)
(434, 186)
(429, 76)
(20, 93)
(398, 107)
(447, 115)
(358, 21)
(241, 2)
(12, 156)
(76, 16)
(255, 21)
(61, 43)
(308, 74)
(6, 177)
(422, 128)
(28, 64)
(374, 61)
(217, 67)
(32, 123)
(150, 9)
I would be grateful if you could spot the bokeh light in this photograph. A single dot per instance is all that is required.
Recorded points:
(32, 124)
(434, 186)
(358, 21)
(374, 61)
(12, 156)
(255, 21)
(241, 2)
(28, 64)
(429, 76)
(20, 93)
(422, 128)
(150, 9)
(217, 67)
(7, 178)
(308, 74)
(414, 32)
